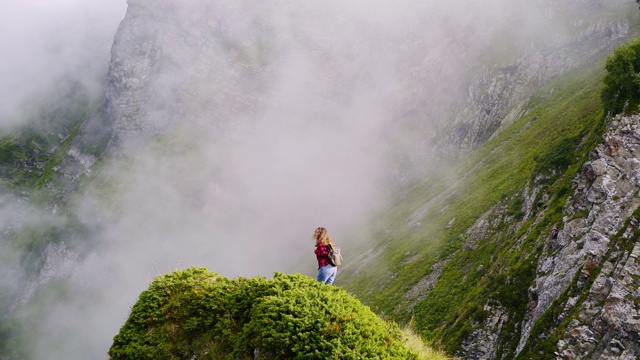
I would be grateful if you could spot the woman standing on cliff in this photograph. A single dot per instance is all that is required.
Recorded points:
(326, 271)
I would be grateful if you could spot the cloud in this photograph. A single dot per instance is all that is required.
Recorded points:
(42, 41)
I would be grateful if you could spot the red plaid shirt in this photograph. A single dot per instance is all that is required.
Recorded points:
(322, 253)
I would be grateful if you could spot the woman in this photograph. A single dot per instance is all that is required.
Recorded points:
(326, 272)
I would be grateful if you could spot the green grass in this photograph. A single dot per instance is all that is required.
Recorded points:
(414, 343)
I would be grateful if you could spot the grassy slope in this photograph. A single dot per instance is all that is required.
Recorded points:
(562, 125)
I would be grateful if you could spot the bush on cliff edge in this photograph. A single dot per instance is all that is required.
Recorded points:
(621, 92)
(197, 314)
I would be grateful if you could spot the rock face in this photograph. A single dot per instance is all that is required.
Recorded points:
(588, 271)
(603, 244)
(499, 96)
(198, 63)
(482, 342)
(607, 325)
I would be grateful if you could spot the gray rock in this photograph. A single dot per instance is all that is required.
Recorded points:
(582, 244)
(482, 343)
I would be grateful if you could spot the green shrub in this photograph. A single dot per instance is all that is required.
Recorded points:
(197, 314)
(621, 90)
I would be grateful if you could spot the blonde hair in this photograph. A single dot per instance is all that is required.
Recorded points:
(321, 237)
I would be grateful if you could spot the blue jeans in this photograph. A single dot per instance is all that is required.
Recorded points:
(327, 274)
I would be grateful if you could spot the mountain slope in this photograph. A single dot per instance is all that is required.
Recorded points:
(473, 261)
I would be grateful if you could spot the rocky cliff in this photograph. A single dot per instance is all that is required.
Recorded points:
(174, 63)
(593, 259)
(585, 290)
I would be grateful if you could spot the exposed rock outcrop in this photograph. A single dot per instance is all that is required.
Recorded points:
(483, 342)
(606, 195)
(607, 324)
(172, 64)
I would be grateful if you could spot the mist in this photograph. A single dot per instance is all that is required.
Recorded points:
(44, 42)
(259, 123)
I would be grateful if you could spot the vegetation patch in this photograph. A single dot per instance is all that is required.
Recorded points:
(197, 314)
